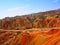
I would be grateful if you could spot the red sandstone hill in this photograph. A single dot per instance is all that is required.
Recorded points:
(36, 20)
(51, 37)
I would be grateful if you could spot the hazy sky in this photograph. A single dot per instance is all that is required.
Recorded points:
(21, 7)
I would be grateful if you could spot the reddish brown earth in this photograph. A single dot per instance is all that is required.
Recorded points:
(51, 37)
(31, 30)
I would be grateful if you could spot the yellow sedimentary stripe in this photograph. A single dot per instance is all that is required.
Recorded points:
(8, 41)
(38, 40)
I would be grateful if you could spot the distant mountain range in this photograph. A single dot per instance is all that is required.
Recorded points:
(36, 20)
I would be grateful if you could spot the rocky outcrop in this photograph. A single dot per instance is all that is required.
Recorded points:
(37, 20)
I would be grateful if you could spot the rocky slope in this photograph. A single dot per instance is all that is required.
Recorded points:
(36, 37)
(36, 20)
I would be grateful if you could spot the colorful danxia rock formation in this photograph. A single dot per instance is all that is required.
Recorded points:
(38, 20)
(51, 37)
(36, 29)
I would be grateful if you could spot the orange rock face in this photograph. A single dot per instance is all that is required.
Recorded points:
(26, 23)
(51, 37)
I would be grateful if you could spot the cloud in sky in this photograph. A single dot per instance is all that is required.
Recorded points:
(19, 10)
(13, 9)
(22, 10)
(55, 1)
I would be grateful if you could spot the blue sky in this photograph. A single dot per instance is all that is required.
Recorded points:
(10, 8)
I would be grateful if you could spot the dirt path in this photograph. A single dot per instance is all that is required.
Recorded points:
(33, 29)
